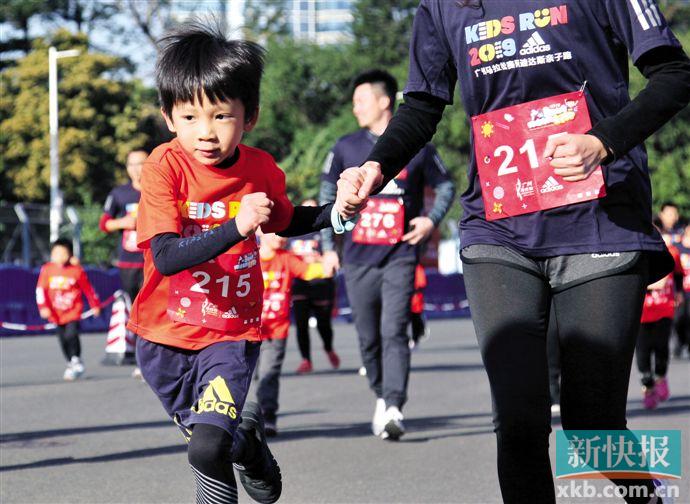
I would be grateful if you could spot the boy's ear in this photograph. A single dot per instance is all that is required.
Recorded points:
(249, 125)
(168, 121)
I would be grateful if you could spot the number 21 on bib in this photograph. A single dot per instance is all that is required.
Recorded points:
(508, 145)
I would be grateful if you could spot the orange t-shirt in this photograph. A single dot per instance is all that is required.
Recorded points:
(60, 288)
(278, 273)
(180, 195)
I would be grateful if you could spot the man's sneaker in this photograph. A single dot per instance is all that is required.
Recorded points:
(304, 367)
(77, 366)
(394, 428)
(378, 423)
(661, 389)
(333, 359)
(69, 374)
(260, 476)
(649, 398)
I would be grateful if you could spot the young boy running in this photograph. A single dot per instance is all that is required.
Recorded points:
(59, 297)
(198, 313)
(279, 268)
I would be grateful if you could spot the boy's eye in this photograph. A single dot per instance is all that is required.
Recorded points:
(223, 116)
(187, 117)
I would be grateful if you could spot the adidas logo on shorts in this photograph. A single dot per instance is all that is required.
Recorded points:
(216, 399)
(535, 45)
(551, 185)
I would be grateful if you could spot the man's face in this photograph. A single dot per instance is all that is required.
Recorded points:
(669, 216)
(209, 132)
(369, 104)
(135, 162)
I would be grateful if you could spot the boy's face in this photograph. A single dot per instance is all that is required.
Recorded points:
(135, 162)
(669, 216)
(59, 255)
(209, 132)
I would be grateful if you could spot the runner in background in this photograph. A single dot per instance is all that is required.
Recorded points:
(380, 255)
(655, 332)
(669, 222)
(417, 318)
(119, 215)
(280, 269)
(682, 320)
(529, 237)
(313, 298)
(59, 290)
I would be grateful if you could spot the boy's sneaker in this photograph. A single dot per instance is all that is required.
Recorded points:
(362, 371)
(261, 476)
(304, 367)
(555, 409)
(649, 398)
(333, 359)
(394, 428)
(661, 389)
(378, 423)
(77, 366)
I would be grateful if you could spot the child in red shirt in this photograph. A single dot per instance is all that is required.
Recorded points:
(59, 297)
(655, 331)
(279, 268)
(198, 313)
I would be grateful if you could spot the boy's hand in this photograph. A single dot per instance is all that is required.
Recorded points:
(45, 313)
(574, 157)
(255, 210)
(97, 311)
(355, 186)
(420, 229)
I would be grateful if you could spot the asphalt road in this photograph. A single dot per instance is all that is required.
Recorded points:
(107, 439)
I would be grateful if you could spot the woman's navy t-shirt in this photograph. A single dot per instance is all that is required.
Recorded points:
(541, 49)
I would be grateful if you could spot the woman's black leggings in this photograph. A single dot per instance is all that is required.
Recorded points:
(302, 309)
(68, 335)
(597, 326)
(653, 340)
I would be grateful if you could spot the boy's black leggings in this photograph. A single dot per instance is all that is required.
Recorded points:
(597, 327)
(653, 340)
(68, 335)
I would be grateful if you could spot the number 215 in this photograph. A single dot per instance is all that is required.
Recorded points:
(527, 148)
(243, 286)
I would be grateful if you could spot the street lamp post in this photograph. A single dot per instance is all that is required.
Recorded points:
(55, 197)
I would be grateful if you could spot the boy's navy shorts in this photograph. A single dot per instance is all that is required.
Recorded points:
(200, 386)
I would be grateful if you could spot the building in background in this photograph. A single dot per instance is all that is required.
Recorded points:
(319, 21)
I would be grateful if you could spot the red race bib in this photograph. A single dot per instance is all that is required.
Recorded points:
(224, 294)
(508, 144)
(382, 222)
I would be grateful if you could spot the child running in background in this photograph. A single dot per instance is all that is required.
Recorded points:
(61, 284)
(279, 268)
(198, 314)
(655, 332)
(314, 297)
(417, 318)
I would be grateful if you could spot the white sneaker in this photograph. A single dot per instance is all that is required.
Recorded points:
(69, 374)
(362, 371)
(136, 374)
(394, 427)
(77, 366)
(378, 423)
(555, 409)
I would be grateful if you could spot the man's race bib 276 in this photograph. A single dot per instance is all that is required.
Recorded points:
(509, 142)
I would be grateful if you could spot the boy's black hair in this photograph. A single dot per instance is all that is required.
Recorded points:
(63, 242)
(668, 204)
(382, 78)
(195, 59)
